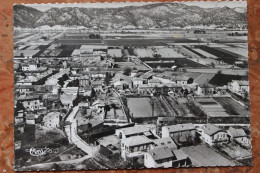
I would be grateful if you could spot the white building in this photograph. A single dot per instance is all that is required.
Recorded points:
(180, 133)
(52, 120)
(133, 131)
(212, 134)
(31, 102)
(29, 67)
(239, 135)
(239, 87)
(135, 146)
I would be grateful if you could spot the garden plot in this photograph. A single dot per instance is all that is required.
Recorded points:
(235, 151)
(237, 50)
(206, 54)
(231, 106)
(140, 107)
(168, 53)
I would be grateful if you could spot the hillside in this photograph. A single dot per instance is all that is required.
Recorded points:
(159, 15)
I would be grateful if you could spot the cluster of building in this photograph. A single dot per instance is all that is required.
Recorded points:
(141, 143)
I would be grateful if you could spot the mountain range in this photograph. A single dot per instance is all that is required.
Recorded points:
(158, 15)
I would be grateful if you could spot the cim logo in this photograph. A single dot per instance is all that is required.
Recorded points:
(39, 151)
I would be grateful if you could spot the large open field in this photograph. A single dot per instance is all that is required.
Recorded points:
(140, 107)
(202, 155)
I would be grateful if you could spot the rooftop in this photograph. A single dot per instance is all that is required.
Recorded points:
(180, 127)
(237, 132)
(136, 140)
(211, 129)
(137, 129)
(165, 142)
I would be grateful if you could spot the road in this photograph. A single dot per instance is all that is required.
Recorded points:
(71, 131)
(45, 166)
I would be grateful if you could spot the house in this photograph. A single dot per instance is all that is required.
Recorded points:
(86, 91)
(239, 87)
(182, 134)
(238, 135)
(29, 67)
(121, 85)
(32, 102)
(24, 82)
(84, 81)
(52, 120)
(212, 134)
(239, 63)
(74, 76)
(137, 81)
(19, 118)
(97, 85)
(30, 119)
(98, 105)
(165, 157)
(134, 131)
(24, 89)
(97, 74)
(135, 146)
(205, 89)
(133, 73)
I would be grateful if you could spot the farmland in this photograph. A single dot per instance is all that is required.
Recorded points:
(223, 56)
(146, 41)
(80, 41)
(223, 79)
(179, 62)
(231, 106)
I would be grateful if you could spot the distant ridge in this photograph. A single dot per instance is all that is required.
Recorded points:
(158, 15)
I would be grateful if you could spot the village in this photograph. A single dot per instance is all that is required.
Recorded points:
(149, 99)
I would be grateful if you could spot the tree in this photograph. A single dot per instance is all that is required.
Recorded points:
(212, 64)
(93, 93)
(19, 106)
(165, 89)
(108, 78)
(190, 80)
(127, 71)
(246, 94)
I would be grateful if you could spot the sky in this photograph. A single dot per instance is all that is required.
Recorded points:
(203, 4)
